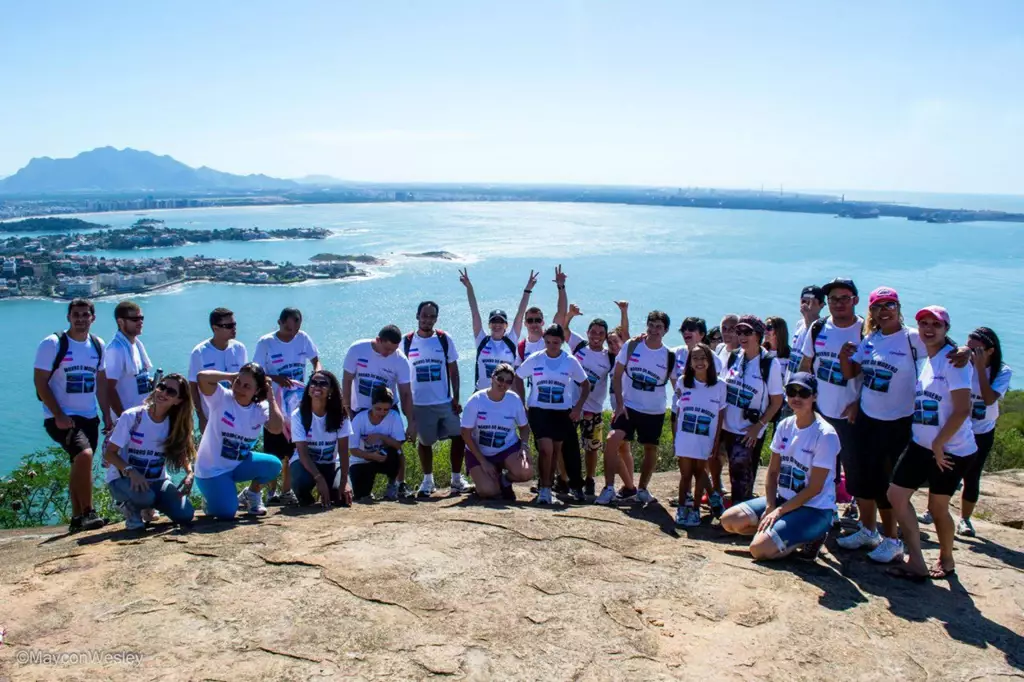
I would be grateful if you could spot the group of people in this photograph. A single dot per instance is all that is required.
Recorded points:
(893, 408)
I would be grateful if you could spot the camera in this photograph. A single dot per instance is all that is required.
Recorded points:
(751, 415)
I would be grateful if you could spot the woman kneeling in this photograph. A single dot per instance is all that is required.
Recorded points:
(496, 457)
(320, 430)
(796, 510)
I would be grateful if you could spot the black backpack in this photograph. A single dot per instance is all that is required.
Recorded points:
(62, 351)
(480, 349)
(671, 363)
(443, 338)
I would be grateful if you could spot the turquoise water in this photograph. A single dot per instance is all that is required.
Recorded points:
(685, 261)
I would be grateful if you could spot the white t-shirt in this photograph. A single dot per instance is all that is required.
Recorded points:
(74, 381)
(645, 377)
(983, 417)
(796, 347)
(889, 373)
(835, 392)
(700, 408)
(552, 380)
(932, 404)
(370, 369)
(321, 444)
(129, 365)
(746, 389)
(493, 354)
(287, 359)
(801, 450)
(529, 348)
(494, 424)
(205, 356)
(427, 369)
(142, 447)
(598, 364)
(390, 425)
(230, 434)
(682, 354)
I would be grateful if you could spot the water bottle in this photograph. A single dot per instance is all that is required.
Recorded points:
(157, 376)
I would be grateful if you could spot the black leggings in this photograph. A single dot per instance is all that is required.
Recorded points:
(364, 474)
(972, 477)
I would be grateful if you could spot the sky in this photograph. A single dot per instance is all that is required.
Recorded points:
(875, 95)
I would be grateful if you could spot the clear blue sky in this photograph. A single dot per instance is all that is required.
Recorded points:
(872, 95)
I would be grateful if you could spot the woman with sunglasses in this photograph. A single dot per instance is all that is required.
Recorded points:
(941, 448)
(990, 383)
(796, 510)
(146, 441)
(496, 456)
(320, 430)
(226, 455)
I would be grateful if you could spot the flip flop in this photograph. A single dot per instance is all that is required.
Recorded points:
(904, 574)
(941, 574)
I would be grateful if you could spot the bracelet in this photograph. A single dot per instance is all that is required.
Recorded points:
(561, 286)
(527, 291)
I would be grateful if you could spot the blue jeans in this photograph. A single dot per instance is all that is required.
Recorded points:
(220, 492)
(303, 484)
(160, 495)
(798, 527)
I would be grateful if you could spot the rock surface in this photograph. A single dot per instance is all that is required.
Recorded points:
(472, 591)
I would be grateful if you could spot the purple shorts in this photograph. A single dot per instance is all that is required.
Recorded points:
(494, 460)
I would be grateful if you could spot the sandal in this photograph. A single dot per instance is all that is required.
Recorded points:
(939, 572)
(903, 574)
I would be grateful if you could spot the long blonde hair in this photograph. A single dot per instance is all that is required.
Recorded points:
(180, 446)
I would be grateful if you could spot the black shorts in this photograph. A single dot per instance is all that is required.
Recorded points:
(277, 444)
(84, 435)
(879, 446)
(644, 428)
(917, 466)
(553, 424)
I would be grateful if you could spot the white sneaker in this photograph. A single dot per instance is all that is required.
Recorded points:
(692, 518)
(426, 489)
(606, 496)
(150, 515)
(132, 517)
(925, 518)
(243, 500)
(862, 538)
(965, 528)
(544, 496)
(644, 497)
(256, 506)
(682, 516)
(888, 550)
(461, 487)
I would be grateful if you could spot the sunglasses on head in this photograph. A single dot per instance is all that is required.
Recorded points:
(171, 391)
(535, 320)
(886, 305)
(227, 325)
(798, 392)
(744, 331)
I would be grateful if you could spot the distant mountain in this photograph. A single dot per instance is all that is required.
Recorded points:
(107, 169)
(325, 180)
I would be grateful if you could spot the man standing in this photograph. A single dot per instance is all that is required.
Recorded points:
(283, 355)
(127, 366)
(825, 344)
(647, 366)
(221, 352)
(371, 363)
(67, 366)
(434, 370)
(812, 300)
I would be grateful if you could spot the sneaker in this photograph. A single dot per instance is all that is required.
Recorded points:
(92, 521)
(391, 492)
(682, 516)
(809, 551)
(150, 515)
(427, 489)
(243, 500)
(965, 528)
(289, 499)
(508, 493)
(561, 487)
(925, 518)
(461, 487)
(256, 506)
(274, 498)
(132, 517)
(852, 512)
(588, 487)
(692, 517)
(862, 538)
(75, 525)
(716, 504)
(404, 491)
(888, 550)
(606, 497)
(544, 496)
(644, 497)
(626, 493)
(578, 496)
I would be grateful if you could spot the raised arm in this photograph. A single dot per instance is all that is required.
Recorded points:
(624, 317)
(209, 378)
(572, 314)
(563, 298)
(193, 388)
(524, 302)
(275, 424)
(474, 309)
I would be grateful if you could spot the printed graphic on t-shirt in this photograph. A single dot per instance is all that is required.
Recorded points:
(235, 447)
(426, 371)
(794, 362)
(699, 424)
(321, 453)
(491, 435)
(641, 379)
(739, 395)
(830, 371)
(877, 378)
(149, 463)
(79, 380)
(791, 474)
(926, 408)
(978, 410)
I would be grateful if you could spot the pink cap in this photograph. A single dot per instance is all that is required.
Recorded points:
(936, 311)
(883, 294)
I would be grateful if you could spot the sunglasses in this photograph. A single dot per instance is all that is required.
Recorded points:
(798, 392)
(136, 318)
(228, 325)
(687, 328)
(885, 305)
(841, 300)
(503, 380)
(535, 320)
(320, 383)
(744, 331)
(169, 390)
(769, 328)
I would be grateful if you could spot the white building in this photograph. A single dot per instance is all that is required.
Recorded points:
(81, 287)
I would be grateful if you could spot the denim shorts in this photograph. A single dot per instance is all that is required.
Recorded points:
(799, 527)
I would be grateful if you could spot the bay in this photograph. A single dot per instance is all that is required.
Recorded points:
(685, 261)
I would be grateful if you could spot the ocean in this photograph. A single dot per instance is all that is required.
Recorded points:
(685, 261)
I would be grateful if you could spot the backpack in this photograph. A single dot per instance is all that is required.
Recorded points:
(671, 364)
(480, 349)
(62, 350)
(443, 338)
(816, 328)
(611, 356)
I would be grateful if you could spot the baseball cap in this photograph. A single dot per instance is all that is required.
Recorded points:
(883, 294)
(815, 291)
(936, 311)
(752, 321)
(805, 379)
(498, 315)
(840, 283)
